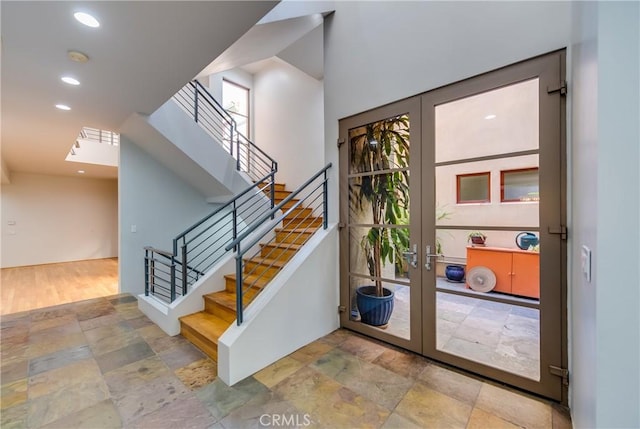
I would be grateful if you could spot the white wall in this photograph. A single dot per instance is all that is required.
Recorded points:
(605, 323)
(584, 204)
(58, 219)
(287, 315)
(617, 254)
(158, 203)
(289, 120)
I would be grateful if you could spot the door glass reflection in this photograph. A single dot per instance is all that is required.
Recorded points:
(378, 226)
(487, 222)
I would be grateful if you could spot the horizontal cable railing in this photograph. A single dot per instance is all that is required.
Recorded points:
(195, 100)
(259, 255)
(169, 275)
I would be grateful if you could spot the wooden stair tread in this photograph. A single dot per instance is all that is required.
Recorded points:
(288, 246)
(228, 299)
(298, 230)
(276, 263)
(251, 279)
(206, 324)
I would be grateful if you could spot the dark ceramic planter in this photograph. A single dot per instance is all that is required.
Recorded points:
(455, 273)
(374, 310)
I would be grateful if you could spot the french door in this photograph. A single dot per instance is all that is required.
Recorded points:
(483, 156)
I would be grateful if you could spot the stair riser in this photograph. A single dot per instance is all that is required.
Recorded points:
(299, 213)
(279, 186)
(292, 237)
(230, 285)
(294, 223)
(287, 205)
(258, 269)
(280, 195)
(210, 306)
(208, 347)
(279, 253)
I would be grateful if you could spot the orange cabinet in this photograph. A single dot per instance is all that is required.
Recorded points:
(517, 271)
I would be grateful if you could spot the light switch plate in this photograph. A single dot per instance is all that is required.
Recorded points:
(586, 263)
(134, 228)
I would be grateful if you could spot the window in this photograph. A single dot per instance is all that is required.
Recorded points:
(235, 100)
(474, 188)
(519, 185)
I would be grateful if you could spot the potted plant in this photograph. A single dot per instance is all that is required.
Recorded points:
(476, 238)
(384, 199)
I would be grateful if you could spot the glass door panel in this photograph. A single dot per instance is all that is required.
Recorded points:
(379, 242)
(494, 303)
(491, 315)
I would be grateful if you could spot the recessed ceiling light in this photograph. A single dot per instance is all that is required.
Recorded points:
(80, 171)
(86, 19)
(490, 117)
(63, 107)
(70, 80)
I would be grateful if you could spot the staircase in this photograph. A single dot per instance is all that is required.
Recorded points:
(204, 328)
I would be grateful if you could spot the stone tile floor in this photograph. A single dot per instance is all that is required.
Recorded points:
(103, 364)
(501, 335)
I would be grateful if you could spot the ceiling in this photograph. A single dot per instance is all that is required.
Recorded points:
(142, 53)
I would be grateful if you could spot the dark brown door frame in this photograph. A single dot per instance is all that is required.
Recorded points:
(409, 106)
(551, 69)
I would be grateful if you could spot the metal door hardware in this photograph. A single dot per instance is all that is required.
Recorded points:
(412, 256)
(428, 255)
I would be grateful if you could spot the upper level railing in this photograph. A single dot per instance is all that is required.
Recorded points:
(195, 99)
(99, 136)
(293, 221)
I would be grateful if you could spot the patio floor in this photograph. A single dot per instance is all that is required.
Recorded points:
(501, 335)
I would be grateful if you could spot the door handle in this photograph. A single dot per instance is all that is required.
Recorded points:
(412, 256)
(428, 255)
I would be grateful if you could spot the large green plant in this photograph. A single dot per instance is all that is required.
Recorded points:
(382, 147)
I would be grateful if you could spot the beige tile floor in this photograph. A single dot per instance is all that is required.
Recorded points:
(102, 364)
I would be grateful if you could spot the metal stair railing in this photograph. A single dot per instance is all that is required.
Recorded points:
(306, 213)
(197, 101)
(169, 275)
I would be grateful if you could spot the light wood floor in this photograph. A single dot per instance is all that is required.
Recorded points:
(39, 286)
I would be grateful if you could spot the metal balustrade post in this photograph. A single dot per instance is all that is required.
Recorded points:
(234, 225)
(273, 191)
(152, 275)
(231, 133)
(195, 106)
(184, 270)
(238, 153)
(173, 278)
(325, 202)
(146, 273)
(239, 281)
